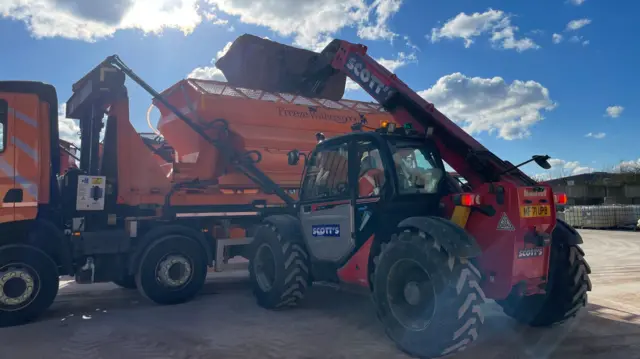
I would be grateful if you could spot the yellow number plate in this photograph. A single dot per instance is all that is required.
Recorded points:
(535, 211)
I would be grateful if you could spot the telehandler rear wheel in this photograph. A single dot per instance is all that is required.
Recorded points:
(428, 300)
(567, 294)
(172, 270)
(278, 269)
(28, 284)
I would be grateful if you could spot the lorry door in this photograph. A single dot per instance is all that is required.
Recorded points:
(7, 176)
(326, 203)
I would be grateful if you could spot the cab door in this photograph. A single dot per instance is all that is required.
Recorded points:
(7, 160)
(326, 203)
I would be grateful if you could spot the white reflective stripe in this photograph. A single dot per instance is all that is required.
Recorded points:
(20, 204)
(25, 148)
(217, 214)
(24, 118)
(9, 171)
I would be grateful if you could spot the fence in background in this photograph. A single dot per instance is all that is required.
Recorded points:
(601, 216)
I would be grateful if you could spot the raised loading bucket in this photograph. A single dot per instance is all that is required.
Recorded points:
(261, 64)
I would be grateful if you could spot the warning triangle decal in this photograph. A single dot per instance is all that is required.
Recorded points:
(505, 224)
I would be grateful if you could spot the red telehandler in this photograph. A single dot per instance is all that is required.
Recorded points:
(376, 209)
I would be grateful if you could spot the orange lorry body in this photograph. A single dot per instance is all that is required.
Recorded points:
(271, 124)
(25, 146)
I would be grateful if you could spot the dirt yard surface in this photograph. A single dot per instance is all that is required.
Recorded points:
(101, 321)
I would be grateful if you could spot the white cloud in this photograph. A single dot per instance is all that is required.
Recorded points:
(577, 2)
(582, 170)
(67, 127)
(93, 20)
(598, 135)
(628, 166)
(490, 104)
(614, 111)
(384, 10)
(213, 18)
(495, 22)
(313, 23)
(572, 165)
(579, 39)
(574, 25)
(556, 162)
(207, 73)
(401, 60)
(210, 72)
(562, 168)
(557, 38)
(410, 44)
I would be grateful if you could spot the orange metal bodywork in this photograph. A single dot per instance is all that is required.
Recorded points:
(272, 124)
(24, 163)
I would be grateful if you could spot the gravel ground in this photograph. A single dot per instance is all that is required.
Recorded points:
(101, 321)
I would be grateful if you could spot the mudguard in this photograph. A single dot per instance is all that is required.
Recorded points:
(454, 239)
(162, 231)
(566, 234)
(287, 225)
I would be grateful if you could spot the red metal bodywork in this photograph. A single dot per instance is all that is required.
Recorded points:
(499, 260)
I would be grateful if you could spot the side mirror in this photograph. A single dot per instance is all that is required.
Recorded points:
(293, 157)
(542, 161)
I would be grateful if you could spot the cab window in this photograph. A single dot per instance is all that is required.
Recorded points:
(327, 174)
(417, 168)
(4, 113)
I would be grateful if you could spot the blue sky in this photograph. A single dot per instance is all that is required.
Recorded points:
(525, 77)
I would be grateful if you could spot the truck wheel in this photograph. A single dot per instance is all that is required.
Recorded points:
(427, 300)
(569, 277)
(28, 284)
(127, 282)
(278, 269)
(172, 270)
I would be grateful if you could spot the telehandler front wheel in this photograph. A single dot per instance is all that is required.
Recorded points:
(566, 295)
(172, 270)
(28, 284)
(278, 269)
(427, 300)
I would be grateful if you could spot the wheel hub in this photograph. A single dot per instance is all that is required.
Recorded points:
(174, 271)
(410, 294)
(16, 287)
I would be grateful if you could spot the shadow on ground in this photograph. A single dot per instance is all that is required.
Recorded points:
(225, 322)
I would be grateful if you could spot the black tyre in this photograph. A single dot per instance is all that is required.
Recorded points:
(278, 268)
(428, 301)
(567, 294)
(28, 284)
(126, 282)
(172, 270)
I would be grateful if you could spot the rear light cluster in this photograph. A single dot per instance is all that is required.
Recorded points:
(466, 199)
(560, 198)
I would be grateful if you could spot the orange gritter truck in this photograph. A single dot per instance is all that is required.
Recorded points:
(370, 205)
(134, 198)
